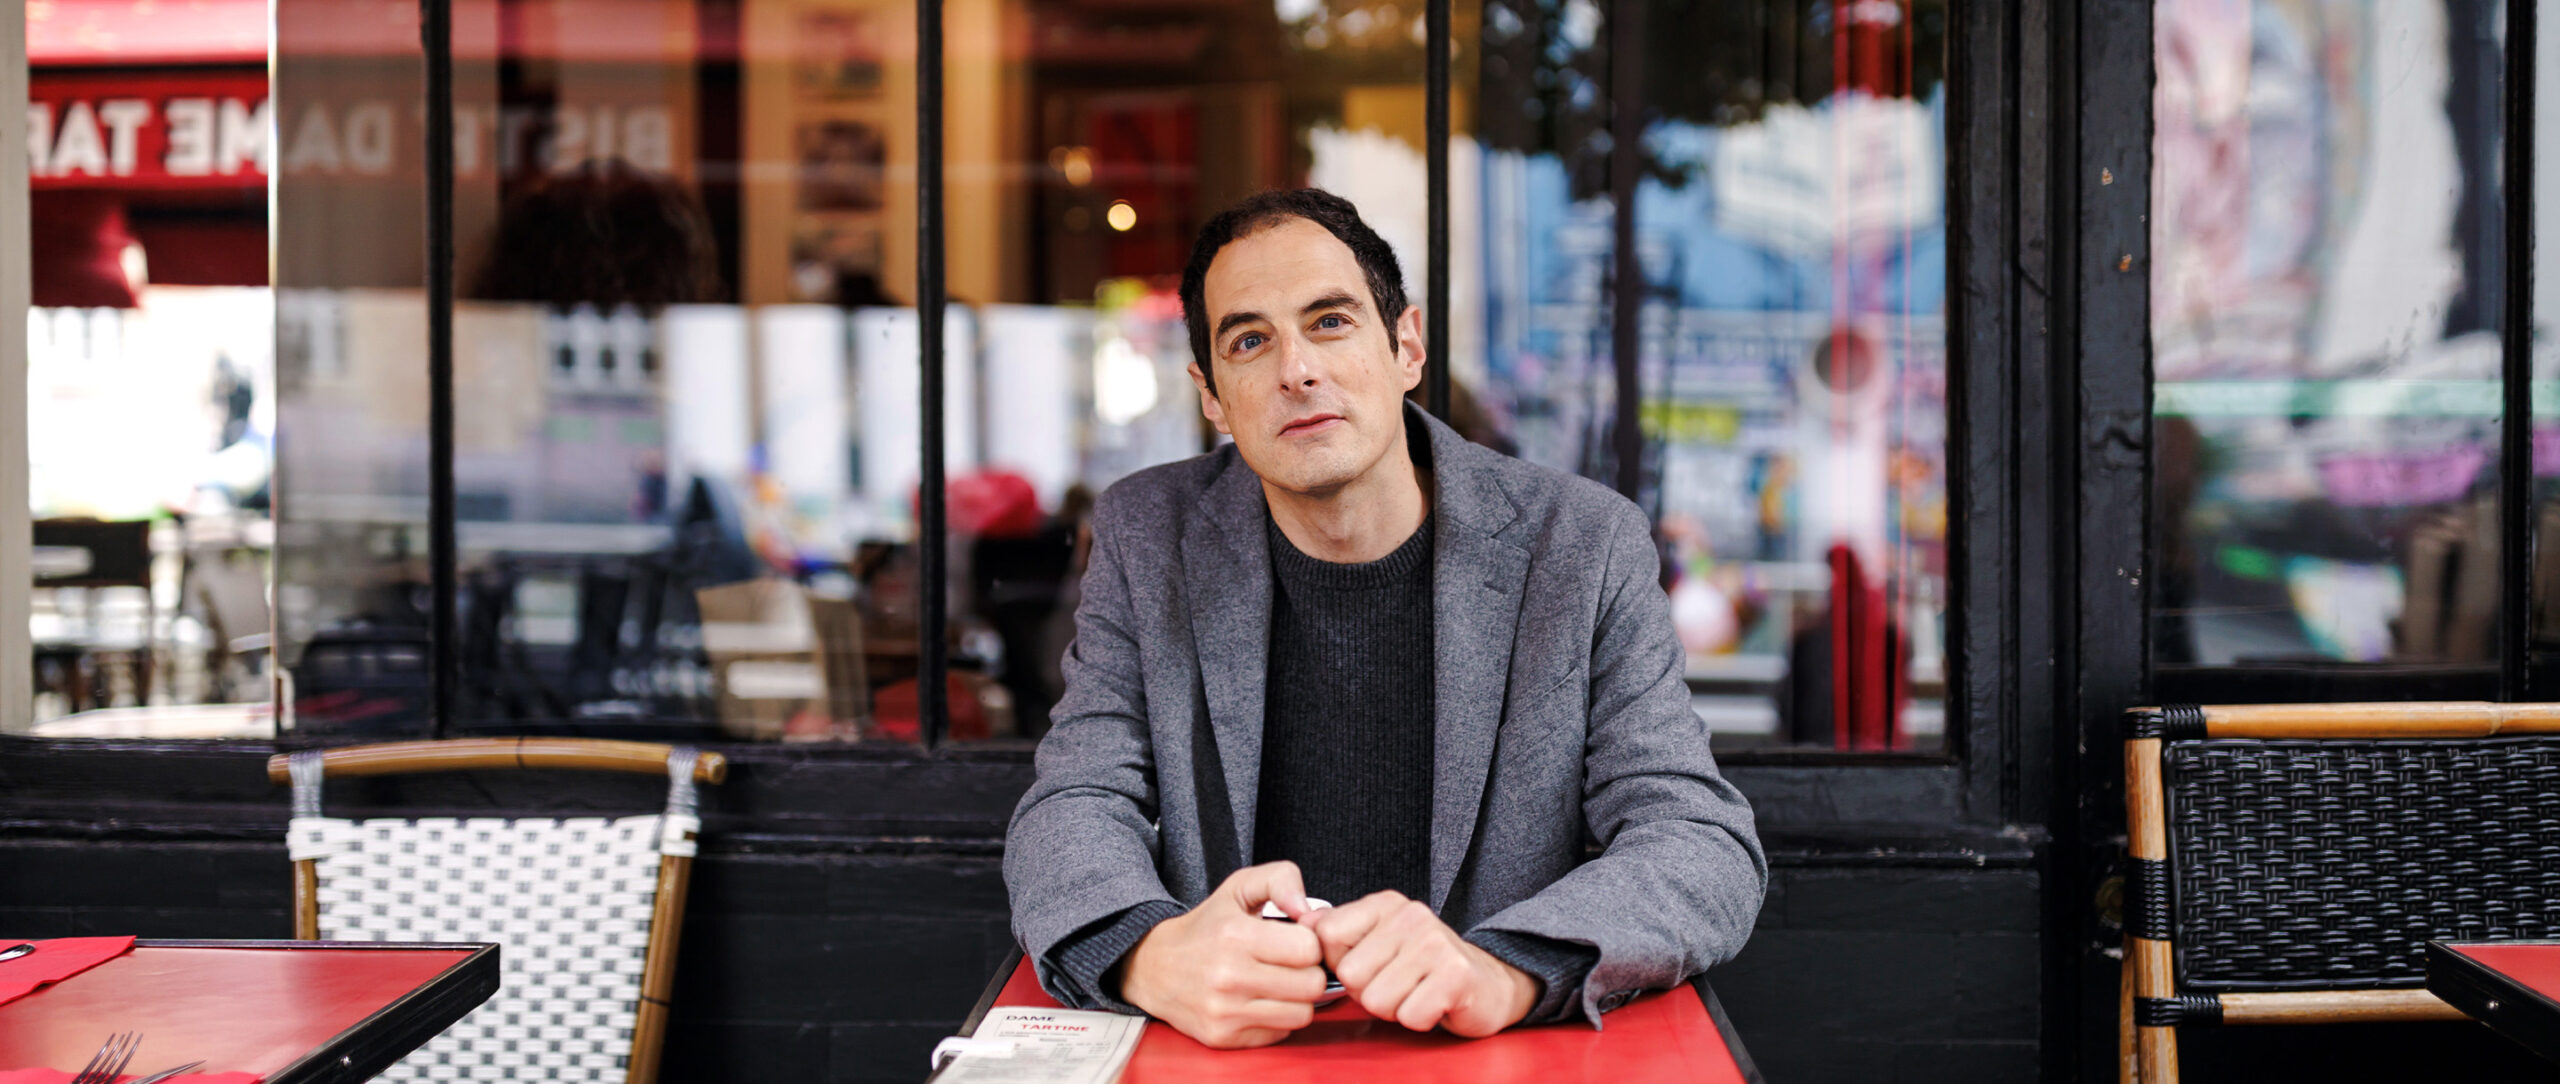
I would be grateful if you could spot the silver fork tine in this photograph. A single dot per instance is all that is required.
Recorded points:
(106, 1052)
(82, 1077)
(132, 1046)
(114, 1068)
(89, 1073)
(165, 1074)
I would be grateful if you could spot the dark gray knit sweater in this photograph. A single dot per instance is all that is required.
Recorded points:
(1346, 732)
(1347, 757)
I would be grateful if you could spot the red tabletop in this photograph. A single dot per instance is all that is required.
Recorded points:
(2512, 986)
(1667, 1036)
(259, 1007)
(2535, 964)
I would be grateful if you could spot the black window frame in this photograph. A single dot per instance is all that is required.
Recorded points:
(2101, 299)
(2001, 480)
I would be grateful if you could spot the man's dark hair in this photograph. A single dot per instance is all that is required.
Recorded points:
(1268, 209)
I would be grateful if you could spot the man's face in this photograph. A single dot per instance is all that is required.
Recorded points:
(1307, 384)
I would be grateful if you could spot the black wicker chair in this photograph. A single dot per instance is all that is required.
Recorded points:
(2290, 862)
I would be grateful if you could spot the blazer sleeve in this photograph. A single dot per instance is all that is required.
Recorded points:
(1678, 883)
(1082, 846)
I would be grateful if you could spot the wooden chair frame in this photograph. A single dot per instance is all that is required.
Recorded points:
(2151, 1007)
(675, 872)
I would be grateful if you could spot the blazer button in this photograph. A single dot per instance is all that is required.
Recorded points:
(1615, 999)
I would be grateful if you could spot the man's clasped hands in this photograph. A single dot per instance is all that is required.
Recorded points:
(1227, 976)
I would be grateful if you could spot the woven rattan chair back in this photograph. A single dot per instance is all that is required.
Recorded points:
(2290, 862)
(586, 909)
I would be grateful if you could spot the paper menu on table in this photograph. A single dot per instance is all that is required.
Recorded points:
(1047, 1046)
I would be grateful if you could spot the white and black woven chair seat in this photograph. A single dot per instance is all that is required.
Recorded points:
(569, 902)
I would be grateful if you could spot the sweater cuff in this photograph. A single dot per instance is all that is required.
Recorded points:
(1089, 954)
(1559, 966)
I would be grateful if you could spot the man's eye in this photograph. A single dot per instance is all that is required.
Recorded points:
(1248, 341)
(1329, 320)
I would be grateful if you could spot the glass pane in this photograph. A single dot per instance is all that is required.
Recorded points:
(351, 317)
(686, 442)
(151, 359)
(2325, 291)
(2542, 654)
(1532, 317)
(1087, 147)
(1791, 233)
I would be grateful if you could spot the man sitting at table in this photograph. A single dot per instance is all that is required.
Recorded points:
(1355, 658)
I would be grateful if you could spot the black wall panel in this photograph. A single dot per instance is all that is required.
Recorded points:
(817, 965)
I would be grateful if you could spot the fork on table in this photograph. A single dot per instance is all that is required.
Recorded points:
(109, 1062)
(111, 1059)
(165, 1074)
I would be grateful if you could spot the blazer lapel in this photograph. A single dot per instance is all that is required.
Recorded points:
(1477, 584)
(1226, 566)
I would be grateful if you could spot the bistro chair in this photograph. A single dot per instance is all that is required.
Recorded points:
(2290, 862)
(103, 555)
(586, 909)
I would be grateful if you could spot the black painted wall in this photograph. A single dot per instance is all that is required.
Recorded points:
(810, 964)
(1890, 974)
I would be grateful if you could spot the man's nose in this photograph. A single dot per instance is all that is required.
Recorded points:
(1297, 364)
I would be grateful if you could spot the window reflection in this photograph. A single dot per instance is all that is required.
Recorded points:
(151, 402)
(686, 498)
(687, 449)
(666, 526)
(1087, 146)
(2542, 651)
(2325, 310)
(1791, 236)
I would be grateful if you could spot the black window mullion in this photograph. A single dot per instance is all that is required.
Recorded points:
(2515, 430)
(932, 586)
(1626, 275)
(1435, 303)
(435, 28)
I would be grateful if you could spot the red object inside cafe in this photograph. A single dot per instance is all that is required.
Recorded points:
(148, 147)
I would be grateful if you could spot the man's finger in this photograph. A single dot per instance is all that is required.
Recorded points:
(1249, 1038)
(1287, 945)
(1303, 984)
(1386, 990)
(1397, 925)
(1271, 882)
(1358, 966)
(1277, 1014)
(1441, 993)
(1342, 928)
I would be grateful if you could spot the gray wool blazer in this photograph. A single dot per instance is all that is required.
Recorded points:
(1561, 723)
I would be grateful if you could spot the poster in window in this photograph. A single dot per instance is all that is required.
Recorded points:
(839, 55)
(841, 165)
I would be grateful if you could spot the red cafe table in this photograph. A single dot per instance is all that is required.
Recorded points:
(1677, 1035)
(292, 1012)
(2512, 986)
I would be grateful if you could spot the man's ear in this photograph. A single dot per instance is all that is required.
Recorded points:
(1411, 351)
(1210, 408)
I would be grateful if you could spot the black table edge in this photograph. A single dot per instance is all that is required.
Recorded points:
(1724, 1027)
(373, 1044)
(995, 986)
(2491, 997)
(1706, 994)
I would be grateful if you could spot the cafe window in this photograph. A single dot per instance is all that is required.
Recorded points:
(1696, 251)
(151, 404)
(2349, 434)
